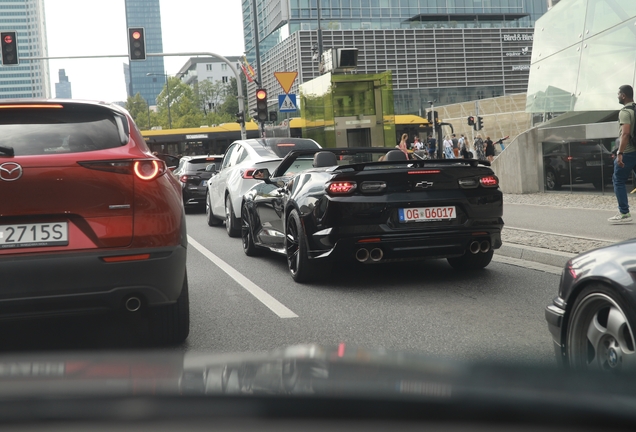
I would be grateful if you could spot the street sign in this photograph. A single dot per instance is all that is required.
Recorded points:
(287, 103)
(286, 79)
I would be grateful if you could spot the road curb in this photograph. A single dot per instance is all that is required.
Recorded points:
(535, 254)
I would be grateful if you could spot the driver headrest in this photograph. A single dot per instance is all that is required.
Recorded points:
(395, 155)
(324, 159)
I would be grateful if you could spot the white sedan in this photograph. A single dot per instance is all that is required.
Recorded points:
(234, 177)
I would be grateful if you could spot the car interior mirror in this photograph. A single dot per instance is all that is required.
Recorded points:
(261, 174)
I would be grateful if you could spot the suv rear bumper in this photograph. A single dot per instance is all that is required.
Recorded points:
(78, 282)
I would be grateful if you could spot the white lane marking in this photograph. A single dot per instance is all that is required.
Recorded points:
(274, 305)
(527, 264)
(562, 235)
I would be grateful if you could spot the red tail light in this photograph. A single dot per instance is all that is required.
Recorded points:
(149, 169)
(567, 158)
(425, 172)
(248, 173)
(489, 181)
(124, 258)
(341, 188)
(119, 167)
(183, 179)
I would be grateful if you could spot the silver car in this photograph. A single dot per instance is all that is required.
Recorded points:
(234, 177)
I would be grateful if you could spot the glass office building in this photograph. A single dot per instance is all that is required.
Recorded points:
(584, 50)
(444, 50)
(29, 79)
(147, 14)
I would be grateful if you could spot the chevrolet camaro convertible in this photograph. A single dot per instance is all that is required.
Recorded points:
(372, 205)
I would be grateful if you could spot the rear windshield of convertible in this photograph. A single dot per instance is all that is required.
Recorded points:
(71, 129)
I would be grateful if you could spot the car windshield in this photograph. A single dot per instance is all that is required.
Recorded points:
(473, 208)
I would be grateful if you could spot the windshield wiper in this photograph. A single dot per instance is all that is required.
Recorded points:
(7, 150)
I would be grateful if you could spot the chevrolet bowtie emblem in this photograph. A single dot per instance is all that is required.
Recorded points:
(423, 184)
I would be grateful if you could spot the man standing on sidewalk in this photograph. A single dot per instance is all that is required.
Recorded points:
(626, 153)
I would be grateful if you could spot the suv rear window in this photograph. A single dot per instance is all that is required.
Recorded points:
(201, 163)
(71, 129)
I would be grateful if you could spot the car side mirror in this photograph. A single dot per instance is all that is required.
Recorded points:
(261, 174)
(211, 168)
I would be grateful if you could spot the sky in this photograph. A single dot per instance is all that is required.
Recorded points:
(98, 27)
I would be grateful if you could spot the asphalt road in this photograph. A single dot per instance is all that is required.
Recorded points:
(251, 304)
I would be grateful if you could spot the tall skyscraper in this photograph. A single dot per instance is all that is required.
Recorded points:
(63, 87)
(443, 51)
(29, 79)
(147, 14)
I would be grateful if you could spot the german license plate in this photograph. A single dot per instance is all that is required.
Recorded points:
(593, 163)
(424, 214)
(33, 235)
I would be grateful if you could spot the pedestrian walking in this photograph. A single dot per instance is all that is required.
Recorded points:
(448, 148)
(403, 146)
(480, 148)
(625, 161)
(490, 149)
(432, 147)
(455, 145)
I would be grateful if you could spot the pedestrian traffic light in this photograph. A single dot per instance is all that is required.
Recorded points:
(273, 116)
(9, 48)
(240, 118)
(261, 105)
(136, 43)
(480, 123)
(471, 121)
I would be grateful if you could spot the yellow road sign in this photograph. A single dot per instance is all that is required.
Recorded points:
(286, 79)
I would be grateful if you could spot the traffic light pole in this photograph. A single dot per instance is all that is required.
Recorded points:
(239, 84)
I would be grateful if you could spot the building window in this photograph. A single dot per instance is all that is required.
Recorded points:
(208, 67)
(223, 66)
(224, 79)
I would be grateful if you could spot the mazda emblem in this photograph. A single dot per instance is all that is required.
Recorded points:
(10, 171)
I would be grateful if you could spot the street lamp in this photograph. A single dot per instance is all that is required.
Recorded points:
(168, 93)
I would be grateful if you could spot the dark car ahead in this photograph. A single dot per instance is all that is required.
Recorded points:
(321, 206)
(577, 163)
(592, 320)
(193, 174)
(90, 220)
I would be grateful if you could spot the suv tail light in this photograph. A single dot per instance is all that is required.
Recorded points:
(149, 169)
(248, 173)
(341, 188)
(145, 169)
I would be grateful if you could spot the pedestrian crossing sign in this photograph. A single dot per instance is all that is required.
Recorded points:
(287, 102)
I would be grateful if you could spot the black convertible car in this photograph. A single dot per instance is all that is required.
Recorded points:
(372, 205)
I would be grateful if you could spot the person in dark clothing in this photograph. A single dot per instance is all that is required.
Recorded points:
(490, 149)
(432, 147)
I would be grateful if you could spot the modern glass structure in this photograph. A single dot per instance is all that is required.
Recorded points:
(448, 51)
(584, 50)
(29, 79)
(63, 87)
(147, 14)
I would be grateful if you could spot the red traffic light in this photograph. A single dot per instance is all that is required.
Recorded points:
(8, 39)
(136, 35)
(261, 94)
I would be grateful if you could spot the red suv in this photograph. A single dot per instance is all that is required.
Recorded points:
(90, 220)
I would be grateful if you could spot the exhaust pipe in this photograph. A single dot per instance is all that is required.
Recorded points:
(362, 255)
(133, 304)
(474, 247)
(376, 254)
(484, 246)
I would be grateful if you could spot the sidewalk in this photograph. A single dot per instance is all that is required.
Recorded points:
(550, 228)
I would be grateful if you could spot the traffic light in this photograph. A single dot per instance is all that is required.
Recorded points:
(240, 118)
(9, 48)
(471, 121)
(480, 123)
(430, 115)
(261, 105)
(136, 43)
(273, 116)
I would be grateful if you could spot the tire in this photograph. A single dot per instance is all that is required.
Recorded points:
(551, 182)
(247, 234)
(210, 218)
(599, 333)
(301, 268)
(170, 324)
(471, 261)
(232, 224)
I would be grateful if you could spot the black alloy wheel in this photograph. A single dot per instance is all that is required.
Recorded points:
(551, 182)
(301, 268)
(471, 261)
(231, 223)
(210, 218)
(247, 234)
(600, 332)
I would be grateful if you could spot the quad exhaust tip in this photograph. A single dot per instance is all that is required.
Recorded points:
(376, 254)
(362, 254)
(474, 247)
(484, 246)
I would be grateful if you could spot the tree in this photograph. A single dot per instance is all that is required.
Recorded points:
(209, 95)
(184, 112)
(138, 109)
(230, 106)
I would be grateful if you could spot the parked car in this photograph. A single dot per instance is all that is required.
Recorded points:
(89, 219)
(593, 318)
(193, 174)
(226, 189)
(318, 207)
(589, 163)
